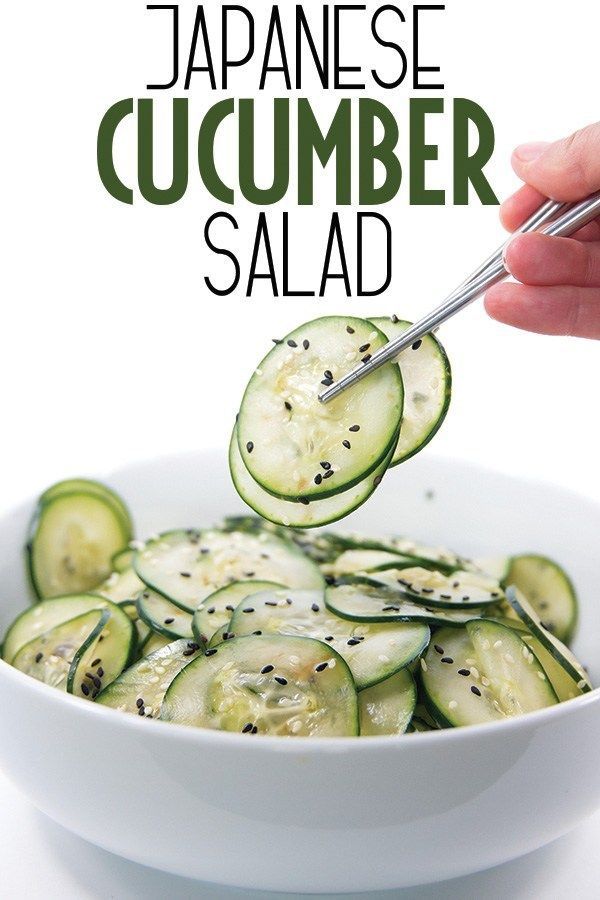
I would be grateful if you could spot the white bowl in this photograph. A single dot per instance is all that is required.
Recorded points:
(320, 815)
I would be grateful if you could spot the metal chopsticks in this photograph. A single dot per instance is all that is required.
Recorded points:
(572, 217)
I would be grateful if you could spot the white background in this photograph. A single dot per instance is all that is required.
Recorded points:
(111, 349)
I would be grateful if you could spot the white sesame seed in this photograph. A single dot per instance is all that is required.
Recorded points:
(497, 645)
(136, 545)
(423, 664)
(383, 659)
(470, 662)
(582, 683)
(541, 676)
(331, 663)
(154, 679)
(474, 671)
(296, 726)
(294, 660)
(508, 658)
(525, 651)
(453, 704)
(486, 645)
(485, 681)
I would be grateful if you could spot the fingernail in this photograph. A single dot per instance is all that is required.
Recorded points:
(528, 152)
(505, 254)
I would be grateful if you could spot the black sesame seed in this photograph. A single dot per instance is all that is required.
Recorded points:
(270, 602)
(139, 702)
(292, 343)
(96, 663)
(266, 669)
(445, 596)
(366, 358)
(329, 474)
(288, 405)
(247, 727)
(210, 652)
(325, 465)
(447, 659)
(277, 340)
(186, 574)
(475, 690)
(377, 480)
(346, 444)
(395, 319)
(210, 611)
(497, 594)
(315, 607)
(363, 348)
(85, 689)
(321, 667)
(318, 478)
(329, 637)
(438, 649)
(456, 584)
(417, 344)
(390, 609)
(304, 501)
(353, 642)
(254, 729)
(280, 679)
(464, 671)
(288, 600)
(250, 446)
(354, 428)
(328, 374)
(230, 608)
(329, 579)
(38, 657)
(349, 329)
(249, 574)
(257, 632)
(305, 344)
(170, 620)
(100, 672)
(327, 382)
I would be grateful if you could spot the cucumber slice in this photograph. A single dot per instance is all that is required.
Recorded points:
(122, 560)
(549, 590)
(285, 434)
(441, 558)
(350, 562)
(89, 486)
(494, 566)
(387, 707)
(482, 673)
(140, 690)
(121, 586)
(48, 614)
(272, 684)
(223, 634)
(143, 632)
(300, 515)
(72, 540)
(565, 686)
(188, 566)
(462, 590)
(156, 642)
(164, 617)
(369, 601)
(214, 613)
(373, 652)
(54, 657)
(559, 651)
(427, 381)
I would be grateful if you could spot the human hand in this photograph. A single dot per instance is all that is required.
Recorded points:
(559, 289)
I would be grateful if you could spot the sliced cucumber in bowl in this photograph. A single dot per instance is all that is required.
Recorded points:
(73, 537)
(164, 617)
(373, 652)
(214, 613)
(267, 684)
(460, 590)
(297, 448)
(548, 589)
(483, 672)
(388, 707)
(186, 566)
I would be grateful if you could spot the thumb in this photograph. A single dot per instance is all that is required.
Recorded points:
(566, 170)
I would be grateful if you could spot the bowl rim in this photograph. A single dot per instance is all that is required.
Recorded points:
(214, 738)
